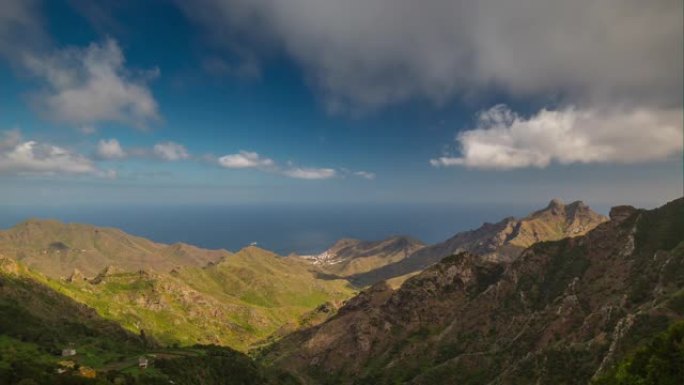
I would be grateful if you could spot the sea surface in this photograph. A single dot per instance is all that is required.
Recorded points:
(281, 228)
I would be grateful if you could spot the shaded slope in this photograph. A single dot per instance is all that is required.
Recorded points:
(501, 241)
(561, 313)
(32, 311)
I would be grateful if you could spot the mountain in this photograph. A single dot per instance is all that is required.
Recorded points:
(56, 249)
(237, 302)
(348, 256)
(562, 312)
(501, 241)
(38, 322)
(178, 294)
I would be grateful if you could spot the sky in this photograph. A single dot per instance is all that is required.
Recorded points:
(340, 101)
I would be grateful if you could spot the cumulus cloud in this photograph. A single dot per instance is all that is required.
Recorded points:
(18, 156)
(110, 149)
(504, 140)
(170, 151)
(310, 173)
(245, 159)
(84, 86)
(370, 53)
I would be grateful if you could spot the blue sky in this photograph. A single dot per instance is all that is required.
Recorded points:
(228, 101)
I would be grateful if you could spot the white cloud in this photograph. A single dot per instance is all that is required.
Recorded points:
(371, 53)
(244, 159)
(310, 173)
(84, 86)
(31, 157)
(110, 149)
(170, 151)
(365, 174)
(247, 159)
(504, 140)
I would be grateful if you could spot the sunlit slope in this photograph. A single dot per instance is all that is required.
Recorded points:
(56, 249)
(237, 302)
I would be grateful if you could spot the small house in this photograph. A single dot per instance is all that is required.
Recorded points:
(143, 362)
(68, 352)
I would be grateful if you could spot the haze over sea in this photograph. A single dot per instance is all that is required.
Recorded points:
(283, 228)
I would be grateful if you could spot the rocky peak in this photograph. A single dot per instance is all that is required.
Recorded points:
(555, 204)
(620, 213)
(557, 207)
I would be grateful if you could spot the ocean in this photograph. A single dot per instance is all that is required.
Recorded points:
(284, 229)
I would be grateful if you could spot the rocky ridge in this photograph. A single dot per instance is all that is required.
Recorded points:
(562, 312)
(501, 241)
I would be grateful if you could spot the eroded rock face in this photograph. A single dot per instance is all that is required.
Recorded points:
(560, 312)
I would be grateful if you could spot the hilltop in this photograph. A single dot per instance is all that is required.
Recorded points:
(56, 249)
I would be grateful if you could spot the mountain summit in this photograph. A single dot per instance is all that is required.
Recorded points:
(501, 241)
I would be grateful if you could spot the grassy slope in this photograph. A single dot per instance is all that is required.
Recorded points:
(37, 322)
(56, 249)
(180, 298)
(236, 303)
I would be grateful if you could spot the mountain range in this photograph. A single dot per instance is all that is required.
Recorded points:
(501, 241)
(561, 312)
(561, 296)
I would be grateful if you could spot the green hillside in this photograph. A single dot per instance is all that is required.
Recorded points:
(37, 323)
(179, 294)
(237, 302)
(661, 362)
